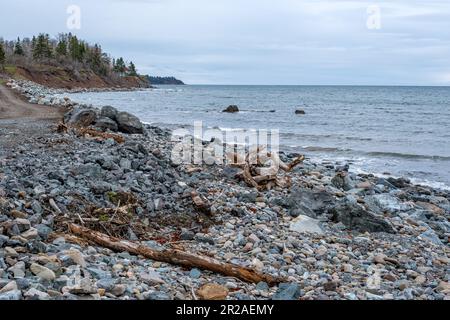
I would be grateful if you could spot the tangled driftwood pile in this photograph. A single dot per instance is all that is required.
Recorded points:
(262, 170)
(89, 132)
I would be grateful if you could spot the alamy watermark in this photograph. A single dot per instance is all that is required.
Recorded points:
(374, 17)
(74, 20)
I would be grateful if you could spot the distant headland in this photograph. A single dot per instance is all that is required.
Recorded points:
(165, 80)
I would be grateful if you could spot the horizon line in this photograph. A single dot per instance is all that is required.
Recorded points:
(316, 85)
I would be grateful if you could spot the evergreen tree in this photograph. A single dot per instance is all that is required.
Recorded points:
(132, 70)
(42, 48)
(120, 66)
(82, 51)
(77, 49)
(2, 55)
(61, 48)
(33, 43)
(74, 48)
(95, 58)
(18, 49)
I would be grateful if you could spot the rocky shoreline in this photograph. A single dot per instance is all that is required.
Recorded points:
(332, 235)
(39, 94)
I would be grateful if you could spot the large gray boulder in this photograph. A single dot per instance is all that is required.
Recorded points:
(109, 112)
(356, 217)
(81, 117)
(311, 203)
(129, 123)
(105, 123)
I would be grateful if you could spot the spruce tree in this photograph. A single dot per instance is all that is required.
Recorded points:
(61, 48)
(38, 47)
(77, 49)
(132, 70)
(33, 43)
(48, 49)
(120, 66)
(42, 48)
(18, 49)
(81, 51)
(95, 58)
(74, 48)
(2, 55)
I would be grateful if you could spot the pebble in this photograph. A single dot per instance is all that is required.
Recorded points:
(213, 291)
(42, 272)
(195, 274)
(11, 286)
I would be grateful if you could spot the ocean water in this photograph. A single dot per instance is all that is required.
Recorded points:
(403, 131)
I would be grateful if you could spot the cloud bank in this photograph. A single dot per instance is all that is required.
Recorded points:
(258, 41)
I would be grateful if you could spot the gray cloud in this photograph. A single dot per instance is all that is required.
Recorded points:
(258, 41)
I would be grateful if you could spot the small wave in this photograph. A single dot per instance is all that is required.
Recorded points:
(407, 156)
(416, 181)
(321, 149)
(231, 129)
(358, 139)
(262, 111)
(432, 184)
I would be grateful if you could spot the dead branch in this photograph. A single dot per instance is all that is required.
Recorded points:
(173, 256)
(62, 128)
(99, 134)
(295, 163)
(247, 175)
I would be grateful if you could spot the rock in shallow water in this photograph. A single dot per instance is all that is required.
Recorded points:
(231, 109)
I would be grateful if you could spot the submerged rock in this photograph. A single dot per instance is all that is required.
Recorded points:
(231, 109)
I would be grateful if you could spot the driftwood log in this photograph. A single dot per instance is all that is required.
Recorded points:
(174, 256)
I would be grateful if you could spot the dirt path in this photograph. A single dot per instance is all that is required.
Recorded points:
(12, 106)
(20, 120)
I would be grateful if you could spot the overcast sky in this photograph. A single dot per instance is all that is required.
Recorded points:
(257, 41)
